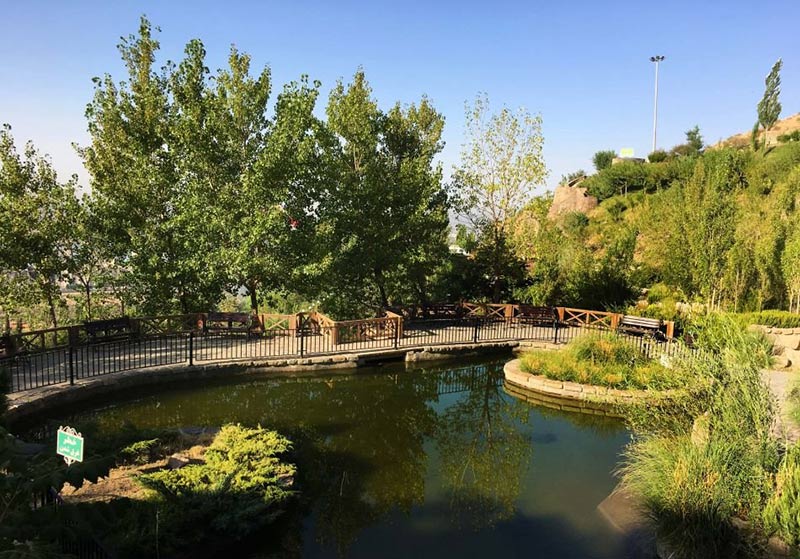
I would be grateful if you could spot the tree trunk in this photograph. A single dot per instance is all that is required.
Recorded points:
(88, 289)
(52, 305)
(252, 288)
(379, 281)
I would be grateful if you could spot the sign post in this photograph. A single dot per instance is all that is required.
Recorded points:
(69, 444)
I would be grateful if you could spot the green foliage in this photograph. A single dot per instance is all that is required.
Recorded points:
(694, 479)
(574, 223)
(658, 156)
(633, 176)
(36, 212)
(568, 178)
(793, 136)
(774, 318)
(769, 108)
(693, 146)
(602, 159)
(782, 511)
(242, 486)
(607, 360)
(501, 162)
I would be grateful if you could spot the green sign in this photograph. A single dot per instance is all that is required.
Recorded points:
(69, 444)
(626, 152)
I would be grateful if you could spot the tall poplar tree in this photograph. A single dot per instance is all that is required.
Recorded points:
(769, 108)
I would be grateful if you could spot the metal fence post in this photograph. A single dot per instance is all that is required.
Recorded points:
(555, 332)
(71, 365)
(191, 348)
(475, 332)
(302, 340)
(396, 333)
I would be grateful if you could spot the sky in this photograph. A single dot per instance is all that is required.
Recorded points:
(583, 65)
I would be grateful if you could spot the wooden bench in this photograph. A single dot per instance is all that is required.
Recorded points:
(231, 323)
(642, 326)
(537, 316)
(109, 330)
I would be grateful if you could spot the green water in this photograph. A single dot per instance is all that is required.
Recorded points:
(431, 462)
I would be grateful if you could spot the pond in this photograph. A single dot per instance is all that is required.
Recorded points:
(427, 462)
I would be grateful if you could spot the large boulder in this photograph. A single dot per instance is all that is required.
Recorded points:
(568, 199)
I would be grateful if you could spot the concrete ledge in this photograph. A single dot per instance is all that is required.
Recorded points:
(23, 405)
(572, 396)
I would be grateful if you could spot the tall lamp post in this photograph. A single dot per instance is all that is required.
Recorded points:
(655, 59)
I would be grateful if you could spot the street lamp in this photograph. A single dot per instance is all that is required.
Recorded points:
(655, 59)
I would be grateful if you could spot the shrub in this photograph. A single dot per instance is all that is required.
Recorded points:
(242, 486)
(793, 136)
(782, 511)
(773, 318)
(575, 222)
(694, 480)
(658, 156)
(602, 159)
(606, 360)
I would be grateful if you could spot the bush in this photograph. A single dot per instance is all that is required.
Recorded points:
(575, 222)
(693, 480)
(606, 360)
(793, 136)
(782, 511)
(658, 156)
(602, 159)
(242, 486)
(773, 318)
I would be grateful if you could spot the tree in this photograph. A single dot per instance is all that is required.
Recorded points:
(501, 163)
(694, 139)
(36, 212)
(790, 263)
(603, 159)
(769, 108)
(710, 220)
(138, 188)
(384, 214)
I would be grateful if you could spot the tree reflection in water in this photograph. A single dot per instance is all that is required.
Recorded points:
(371, 448)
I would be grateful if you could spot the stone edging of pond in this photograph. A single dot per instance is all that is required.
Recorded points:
(22, 405)
(573, 396)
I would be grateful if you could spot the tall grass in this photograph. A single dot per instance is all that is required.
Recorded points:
(604, 360)
(694, 479)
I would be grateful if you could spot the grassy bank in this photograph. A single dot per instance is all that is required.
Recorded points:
(694, 477)
(604, 360)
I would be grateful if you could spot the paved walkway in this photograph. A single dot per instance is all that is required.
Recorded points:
(781, 384)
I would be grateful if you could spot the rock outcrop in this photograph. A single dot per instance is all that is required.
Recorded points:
(571, 199)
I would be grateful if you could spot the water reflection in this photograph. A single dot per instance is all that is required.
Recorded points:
(395, 456)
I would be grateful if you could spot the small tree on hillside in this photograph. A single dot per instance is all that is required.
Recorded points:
(694, 139)
(603, 159)
(769, 108)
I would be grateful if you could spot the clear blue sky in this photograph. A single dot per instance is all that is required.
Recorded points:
(583, 65)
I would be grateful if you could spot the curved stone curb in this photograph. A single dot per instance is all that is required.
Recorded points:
(573, 396)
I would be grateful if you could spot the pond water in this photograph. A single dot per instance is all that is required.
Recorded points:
(428, 462)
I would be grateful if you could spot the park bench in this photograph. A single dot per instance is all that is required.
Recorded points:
(230, 323)
(641, 326)
(109, 330)
(7, 348)
(537, 316)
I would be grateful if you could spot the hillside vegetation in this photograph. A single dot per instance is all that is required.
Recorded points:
(720, 228)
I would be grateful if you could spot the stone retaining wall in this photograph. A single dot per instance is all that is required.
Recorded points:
(572, 396)
(786, 343)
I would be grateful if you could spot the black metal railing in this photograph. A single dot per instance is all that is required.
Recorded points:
(68, 364)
